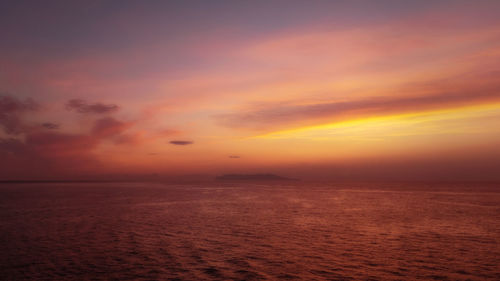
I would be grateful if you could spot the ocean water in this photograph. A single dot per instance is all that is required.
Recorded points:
(249, 231)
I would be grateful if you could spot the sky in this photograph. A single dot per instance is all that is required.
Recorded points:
(341, 90)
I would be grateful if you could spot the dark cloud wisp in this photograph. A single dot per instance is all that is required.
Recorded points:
(180, 142)
(82, 106)
(50, 126)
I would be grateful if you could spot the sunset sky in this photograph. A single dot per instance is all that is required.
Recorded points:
(399, 90)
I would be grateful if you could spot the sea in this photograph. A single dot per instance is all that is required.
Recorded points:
(250, 231)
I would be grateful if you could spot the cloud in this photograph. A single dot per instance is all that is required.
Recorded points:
(272, 117)
(82, 106)
(108, 126)
(55, 143)
(11, 146)
(43, 151)
(50, 126)
(180, 142)
(129, 139)
(45, 154)
(11, 110)
(234, 156)
(40, 149)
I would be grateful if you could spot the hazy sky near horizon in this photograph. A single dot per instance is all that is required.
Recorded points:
(329, 89)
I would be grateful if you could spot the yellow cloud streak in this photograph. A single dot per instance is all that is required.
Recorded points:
(390, 125)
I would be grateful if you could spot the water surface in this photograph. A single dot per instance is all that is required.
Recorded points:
(249, 231)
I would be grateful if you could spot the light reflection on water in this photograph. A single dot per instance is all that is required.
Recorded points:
(248, 231)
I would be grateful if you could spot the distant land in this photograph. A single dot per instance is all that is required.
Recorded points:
(253, 177)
